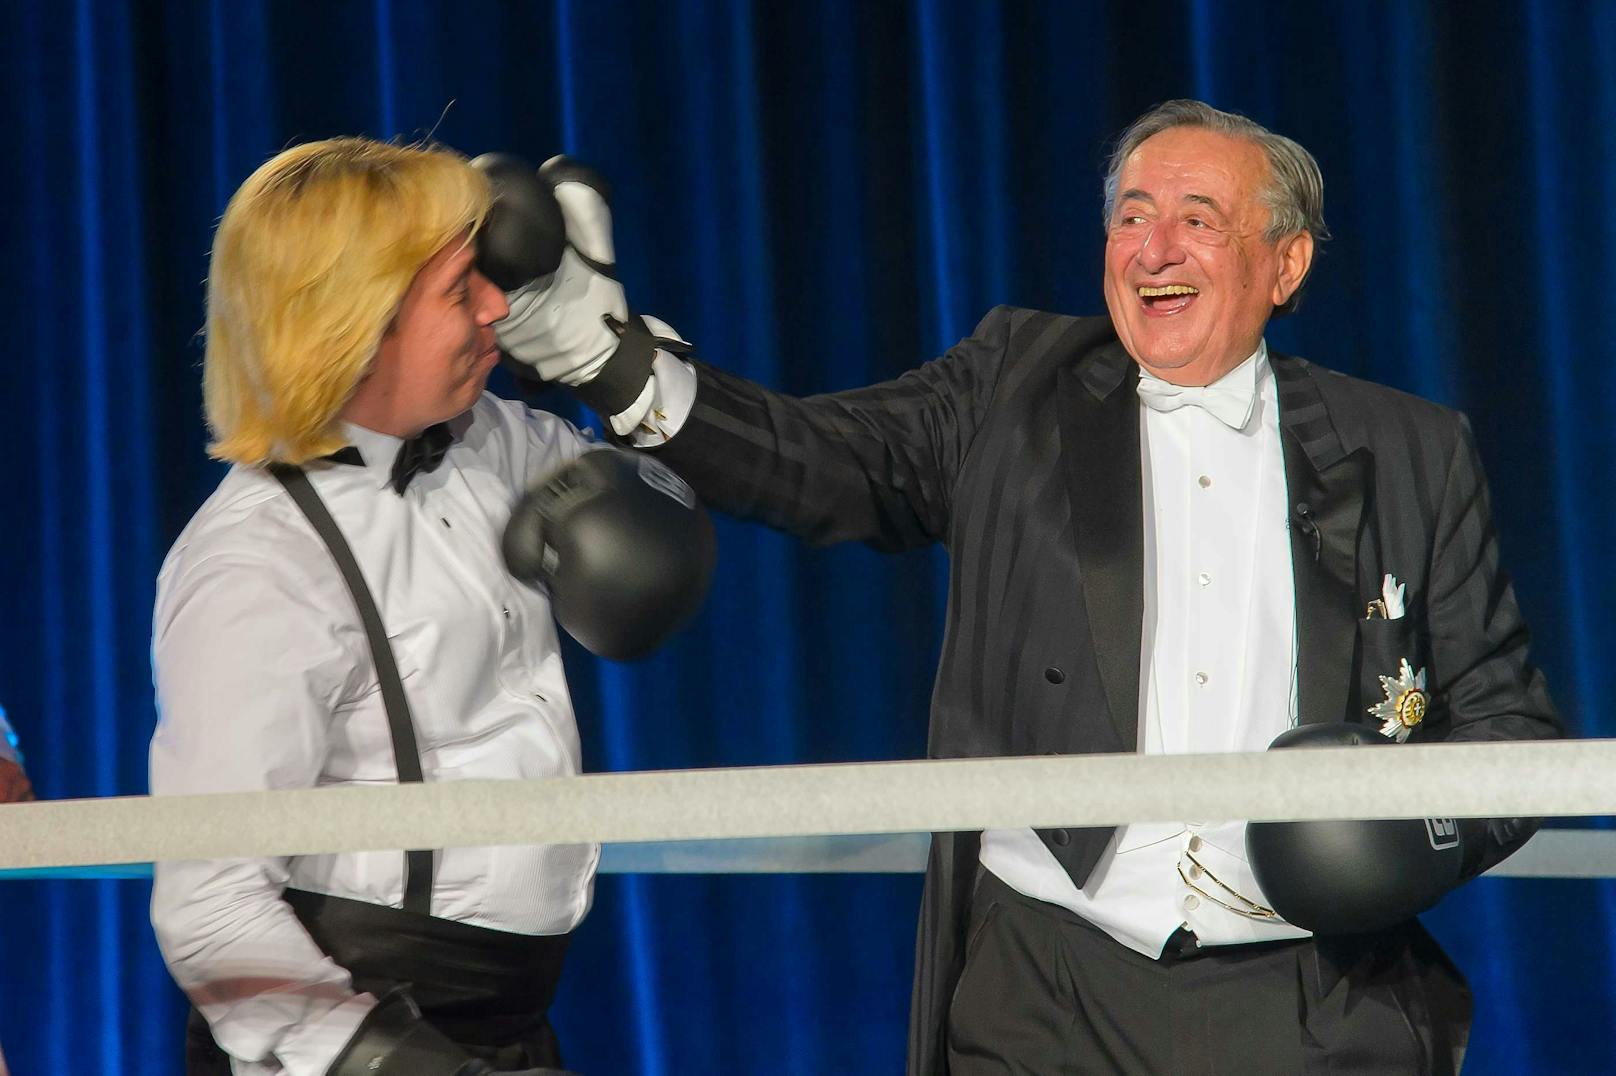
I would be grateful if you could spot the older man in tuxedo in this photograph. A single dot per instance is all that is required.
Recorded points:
(1163, 537)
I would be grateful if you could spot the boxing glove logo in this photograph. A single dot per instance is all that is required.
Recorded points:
(665, 481)
(1443, 832)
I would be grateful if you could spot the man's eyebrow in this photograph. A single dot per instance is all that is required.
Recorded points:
(1206, 200)
(463, 275)
(1134, 194)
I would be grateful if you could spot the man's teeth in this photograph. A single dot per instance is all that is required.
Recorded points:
(1148, 292)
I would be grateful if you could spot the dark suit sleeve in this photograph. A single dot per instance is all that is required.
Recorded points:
(1479, 641)
(876, 464)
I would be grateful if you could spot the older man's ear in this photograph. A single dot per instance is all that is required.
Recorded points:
(1295, 259)
(14, 784)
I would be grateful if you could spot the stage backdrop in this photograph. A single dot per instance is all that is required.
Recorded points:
(819, 195)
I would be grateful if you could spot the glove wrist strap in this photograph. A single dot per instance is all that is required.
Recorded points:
(393, 1040)
(623, 377)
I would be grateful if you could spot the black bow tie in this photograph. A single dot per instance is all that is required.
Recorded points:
(420, 454)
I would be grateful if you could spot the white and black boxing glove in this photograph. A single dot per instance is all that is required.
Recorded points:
(569, 321)
(620, 544)
(393, 1040)
(1352, 876)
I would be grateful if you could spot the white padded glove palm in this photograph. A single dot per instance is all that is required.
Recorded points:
(558, 323)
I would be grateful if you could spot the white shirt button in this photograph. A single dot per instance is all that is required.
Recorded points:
(1192, 902)
(1201, 678)
(1195, 844)
(1205, 579)
(1205, 481)
(1195, 871)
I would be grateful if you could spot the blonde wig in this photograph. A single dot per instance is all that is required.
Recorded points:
(310, 262)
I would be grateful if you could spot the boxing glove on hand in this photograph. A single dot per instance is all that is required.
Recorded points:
(569, 319)
(523, 236)
(621, 545)
(1346, 877)
(393, 1040)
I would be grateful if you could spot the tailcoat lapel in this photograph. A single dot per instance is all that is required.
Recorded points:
(1099, 424)
(1099, 421)
(1333, 486)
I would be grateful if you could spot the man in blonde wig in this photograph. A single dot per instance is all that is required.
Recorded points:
(349, 337)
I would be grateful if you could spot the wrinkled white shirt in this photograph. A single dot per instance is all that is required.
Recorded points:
(265, 681)
(1217, 673)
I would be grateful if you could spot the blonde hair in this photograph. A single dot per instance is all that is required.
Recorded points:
(310, 262)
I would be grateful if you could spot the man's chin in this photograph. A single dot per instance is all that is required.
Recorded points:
(1160, 357)
(1162, 346)
(461, 400)
(468, 398)
(477, 380)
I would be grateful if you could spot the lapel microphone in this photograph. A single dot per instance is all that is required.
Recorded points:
(1304, 519)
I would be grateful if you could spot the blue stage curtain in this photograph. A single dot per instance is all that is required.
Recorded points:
(820, 195)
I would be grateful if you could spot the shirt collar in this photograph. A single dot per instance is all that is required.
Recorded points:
(376, 448)
(1253, 377)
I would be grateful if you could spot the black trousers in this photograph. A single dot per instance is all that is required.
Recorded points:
(487, 990)
(1045, 992)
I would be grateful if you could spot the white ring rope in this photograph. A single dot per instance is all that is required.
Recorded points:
(1552, 853)
(1540, 778)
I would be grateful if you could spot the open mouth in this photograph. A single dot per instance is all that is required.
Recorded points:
(1161, 300)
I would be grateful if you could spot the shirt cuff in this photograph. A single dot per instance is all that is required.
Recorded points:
(309, 1048)
(663, 406)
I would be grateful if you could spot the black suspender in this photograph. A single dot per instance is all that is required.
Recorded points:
(406, 755)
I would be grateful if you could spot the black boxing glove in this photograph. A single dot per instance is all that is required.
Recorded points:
(393, 1040)
(621, 545)
(523, 236)
(569, 319)
(1351, 876)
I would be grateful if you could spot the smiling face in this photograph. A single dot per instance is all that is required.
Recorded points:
(437, 354)
(1190, 281)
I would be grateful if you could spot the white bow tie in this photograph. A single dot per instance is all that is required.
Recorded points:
(1231, 406)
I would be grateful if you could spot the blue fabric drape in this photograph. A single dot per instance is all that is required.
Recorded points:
(820, 195)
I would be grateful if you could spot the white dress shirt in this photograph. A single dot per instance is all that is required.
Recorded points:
(265, 681)
(1217, 660)
(1216, 673)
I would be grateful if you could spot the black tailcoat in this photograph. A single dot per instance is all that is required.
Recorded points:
(1019, 449)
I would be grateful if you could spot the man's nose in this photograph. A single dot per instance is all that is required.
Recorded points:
(1161, 247)
(491, 304)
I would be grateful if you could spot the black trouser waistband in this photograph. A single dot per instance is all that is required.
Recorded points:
(1181, 944)
(476, 984)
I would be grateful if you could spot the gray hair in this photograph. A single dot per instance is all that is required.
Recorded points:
(1294, 193)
